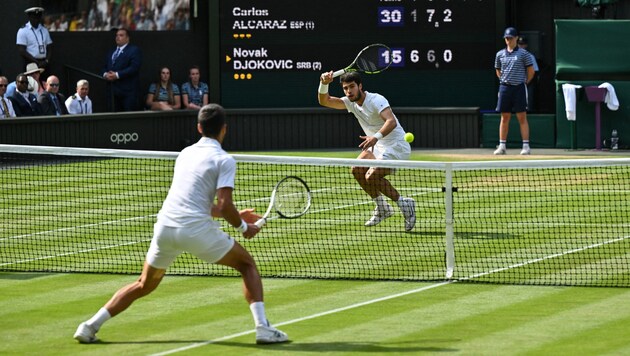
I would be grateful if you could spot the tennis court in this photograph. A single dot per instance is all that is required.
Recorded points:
(348, 289)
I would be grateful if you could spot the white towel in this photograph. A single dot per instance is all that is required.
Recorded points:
(569, 99)
(611, 97)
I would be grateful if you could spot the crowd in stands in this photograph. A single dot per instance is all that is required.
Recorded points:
(29, 95)
(136, 15)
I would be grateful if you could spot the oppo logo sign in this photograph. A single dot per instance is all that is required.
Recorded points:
(123, 138)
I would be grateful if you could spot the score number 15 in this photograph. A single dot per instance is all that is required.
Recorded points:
(395, 59)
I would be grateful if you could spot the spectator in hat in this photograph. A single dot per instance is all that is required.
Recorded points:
(52, 102)
(33, 74)
(523, 44)
(33, 39)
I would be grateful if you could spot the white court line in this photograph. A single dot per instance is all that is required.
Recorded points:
(368, 302)
(333, 311)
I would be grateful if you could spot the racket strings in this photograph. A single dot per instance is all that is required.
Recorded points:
(292, 199)
(370, 60)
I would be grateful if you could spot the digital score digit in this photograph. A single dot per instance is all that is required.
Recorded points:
(433, 44)
(391, 16)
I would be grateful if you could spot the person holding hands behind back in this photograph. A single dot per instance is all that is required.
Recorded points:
(514, 68)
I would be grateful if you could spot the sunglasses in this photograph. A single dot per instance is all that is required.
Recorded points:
(23, 82)
(54, 84)
(3, 85)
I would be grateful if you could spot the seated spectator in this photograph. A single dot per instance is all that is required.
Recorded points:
(24, 103)
(194, 92)
(80, 103)
(164, 94)
(6, 106)
(52, 102)
(33, 72)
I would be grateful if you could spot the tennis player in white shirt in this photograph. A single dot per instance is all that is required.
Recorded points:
(384, 139)
(202, 171)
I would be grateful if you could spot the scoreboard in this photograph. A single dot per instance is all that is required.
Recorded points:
(442, 51)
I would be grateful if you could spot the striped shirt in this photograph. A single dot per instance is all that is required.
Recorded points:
(513, 65)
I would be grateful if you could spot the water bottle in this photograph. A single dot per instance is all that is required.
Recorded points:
(614, 140)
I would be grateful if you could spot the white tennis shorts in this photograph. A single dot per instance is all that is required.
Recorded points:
(206, 241)
(399, 151)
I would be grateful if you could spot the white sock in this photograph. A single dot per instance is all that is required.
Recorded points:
(400, 201)
(99, 318)
(380, 202)
(258, 311)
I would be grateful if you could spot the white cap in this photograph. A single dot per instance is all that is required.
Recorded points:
(36, 10)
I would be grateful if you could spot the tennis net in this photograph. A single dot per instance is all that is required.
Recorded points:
(517, 222)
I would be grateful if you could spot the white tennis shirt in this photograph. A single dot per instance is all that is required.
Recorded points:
(370, 120)
(200, 170)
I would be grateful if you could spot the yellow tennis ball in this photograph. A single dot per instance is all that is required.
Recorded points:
(409, 137)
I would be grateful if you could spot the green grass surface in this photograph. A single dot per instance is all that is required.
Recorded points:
(569, 228)
(42, 312)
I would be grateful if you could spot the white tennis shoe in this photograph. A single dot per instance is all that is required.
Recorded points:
(408, 209)
(270, 335)
(378, 215)
(500, 150)
(85, 334)
(525, 151)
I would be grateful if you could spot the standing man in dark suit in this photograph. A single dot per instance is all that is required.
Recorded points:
(24, 103)
(52, 102)
(122, 71)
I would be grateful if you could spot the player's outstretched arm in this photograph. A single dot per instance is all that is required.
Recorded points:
(323, 97)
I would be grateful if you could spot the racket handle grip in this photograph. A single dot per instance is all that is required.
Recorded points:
(338, 73)
(261, 222)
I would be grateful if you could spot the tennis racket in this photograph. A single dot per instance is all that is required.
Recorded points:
(373, 59)
(291, 198)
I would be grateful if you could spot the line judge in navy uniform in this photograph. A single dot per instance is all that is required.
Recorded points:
(122, 71)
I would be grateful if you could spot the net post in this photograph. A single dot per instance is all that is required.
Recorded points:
(448, 206)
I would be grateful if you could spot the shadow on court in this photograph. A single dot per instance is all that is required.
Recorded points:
(18, 276)
(149, 342)
(373, 347)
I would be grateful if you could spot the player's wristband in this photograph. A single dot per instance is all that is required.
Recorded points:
(243, 227)
(323, 88)
(378, 135)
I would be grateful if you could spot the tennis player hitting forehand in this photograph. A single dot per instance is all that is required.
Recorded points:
(384, 139)
(202, 171)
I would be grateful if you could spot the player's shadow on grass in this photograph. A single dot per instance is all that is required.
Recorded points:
(149, 342)
(482, 235)
(368, 347)
(21, 276)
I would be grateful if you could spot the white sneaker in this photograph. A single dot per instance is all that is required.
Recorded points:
(408, 209)
(500, 150)
(85, 334)
(270, 335)
(525, 151)
(378, 215)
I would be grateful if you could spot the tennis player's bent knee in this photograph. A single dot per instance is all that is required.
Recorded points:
(359, 172)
